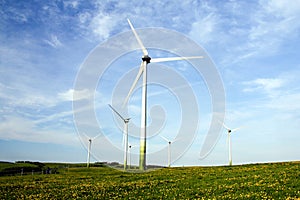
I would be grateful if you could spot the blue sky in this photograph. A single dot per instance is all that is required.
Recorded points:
(253, 44)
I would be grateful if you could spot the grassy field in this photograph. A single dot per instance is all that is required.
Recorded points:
(255, 181)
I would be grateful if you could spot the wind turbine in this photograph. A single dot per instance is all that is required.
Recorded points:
(89, 153)
(229, 131)
(125, 134)
(169, 148)
(89, 148)
(143, 70)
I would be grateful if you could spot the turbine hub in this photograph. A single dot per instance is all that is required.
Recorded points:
(146, 58)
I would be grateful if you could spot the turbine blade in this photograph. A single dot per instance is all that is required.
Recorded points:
(233, 130)
(116, 112)
(225, 126)
(99, 135)
(176, 140)
(164, 138)
(145, 52)
(134, 83)
(88, 137)
(156, 60)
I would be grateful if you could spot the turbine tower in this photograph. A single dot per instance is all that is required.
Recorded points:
(229, 131)
(169, 148)
(125, 134)
(143, 70)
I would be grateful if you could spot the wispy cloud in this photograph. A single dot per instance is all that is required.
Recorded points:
(72, 4)
(75, 95)
(102, 25)
(204, 29)
(278, 95)
(273, 97)
(273, 23)
(17, 128)
(16, 97)
(54, 41)
(267, 85)
(258, 32)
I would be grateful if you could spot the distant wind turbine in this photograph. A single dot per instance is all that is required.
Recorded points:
(89, 148)
(229, 131)
(125, 135)
(89, 153)
(143, 70)
(169, 148)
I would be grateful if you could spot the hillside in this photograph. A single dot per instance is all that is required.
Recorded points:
(256, 181)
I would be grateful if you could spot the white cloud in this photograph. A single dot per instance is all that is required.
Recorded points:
(204, 29)
(272, 24)
(54, 41)
(258, 32)
(287, 103)
(58, 116)
(73, 4)
(267, 85)
(66, 96)
(84, 17)
(75, 95)
(22, 129)
(103, 24)
(15, 14)
(282, 7)
(26, 98)
(279, 95)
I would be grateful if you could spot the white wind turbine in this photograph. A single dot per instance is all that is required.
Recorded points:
(229, 131)
(143, 70)
(125, 135)
(89, 153)
(169, 148)
(90, 148)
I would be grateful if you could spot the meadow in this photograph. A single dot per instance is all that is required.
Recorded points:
(253, 181)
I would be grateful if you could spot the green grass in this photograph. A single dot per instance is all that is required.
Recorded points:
(255, 181)
(7, 168)
(4, 166)
(27, 167)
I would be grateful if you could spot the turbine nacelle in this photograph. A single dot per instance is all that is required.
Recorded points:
(146, 58)
(126, 120)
